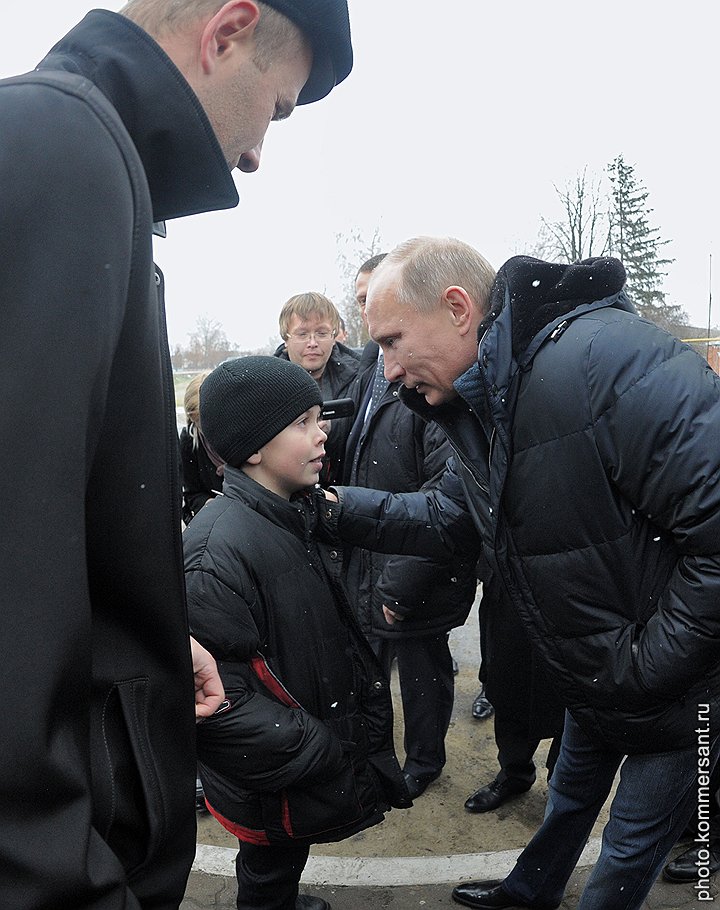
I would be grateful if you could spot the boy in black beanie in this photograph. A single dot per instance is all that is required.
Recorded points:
(301, 752)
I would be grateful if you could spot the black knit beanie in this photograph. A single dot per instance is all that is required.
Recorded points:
(247, 401)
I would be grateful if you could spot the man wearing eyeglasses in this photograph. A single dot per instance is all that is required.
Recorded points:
(309, 324)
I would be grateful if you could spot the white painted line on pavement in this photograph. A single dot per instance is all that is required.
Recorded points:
(388, 871)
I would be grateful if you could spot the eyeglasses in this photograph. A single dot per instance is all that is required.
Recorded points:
(302, 337)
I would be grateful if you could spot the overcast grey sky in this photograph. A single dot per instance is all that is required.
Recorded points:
(458, 119)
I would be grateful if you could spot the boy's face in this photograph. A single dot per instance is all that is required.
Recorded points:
(292, 460)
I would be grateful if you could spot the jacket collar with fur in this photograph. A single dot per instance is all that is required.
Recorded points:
(530, 299)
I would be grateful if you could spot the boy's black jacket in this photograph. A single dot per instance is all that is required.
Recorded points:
(305, 748)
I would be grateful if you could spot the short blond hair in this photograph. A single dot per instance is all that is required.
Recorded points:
(306, 306)
(429, 265)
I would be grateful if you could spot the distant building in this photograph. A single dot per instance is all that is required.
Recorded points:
(714, 355)
(708, 347)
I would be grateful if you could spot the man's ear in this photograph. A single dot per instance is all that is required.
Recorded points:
(459, 307)
(255, 458)
(231, 28)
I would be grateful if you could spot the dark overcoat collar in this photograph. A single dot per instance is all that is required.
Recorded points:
(184, 164)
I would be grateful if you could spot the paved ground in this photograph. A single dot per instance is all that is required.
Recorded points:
(414, 858)
(208, 891)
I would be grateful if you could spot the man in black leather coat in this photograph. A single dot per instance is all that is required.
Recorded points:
(130, 120)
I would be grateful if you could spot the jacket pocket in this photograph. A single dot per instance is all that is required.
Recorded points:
(128, 805)
(318, 808)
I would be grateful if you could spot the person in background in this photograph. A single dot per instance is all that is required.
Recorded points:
(309, 324)
(529, 709)
(341, 337)
(390, 448)
(202, 469)
(587, 457)
(525, 705)
(481, 709)
(132, 119)
(302, 751)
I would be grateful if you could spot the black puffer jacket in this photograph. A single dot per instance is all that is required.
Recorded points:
(601, 505)
(398, 451)
(200, 478)
(304, 750)
(337, 381)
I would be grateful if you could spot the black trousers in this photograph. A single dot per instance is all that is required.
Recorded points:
(516, 748)
(268, 877)
(427, 689)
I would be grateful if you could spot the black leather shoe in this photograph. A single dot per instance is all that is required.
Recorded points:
(481, 707)
(484, 895)
(493, 795)
(686, 866)
(308, 902)
(418, 785)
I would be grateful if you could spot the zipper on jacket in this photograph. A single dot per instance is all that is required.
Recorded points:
(462, 456)
(469, 468)
(558, 330)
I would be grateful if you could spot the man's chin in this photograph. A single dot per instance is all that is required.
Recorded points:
(435, 397)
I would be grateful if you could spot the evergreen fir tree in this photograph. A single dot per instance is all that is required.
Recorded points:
(639, 246)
